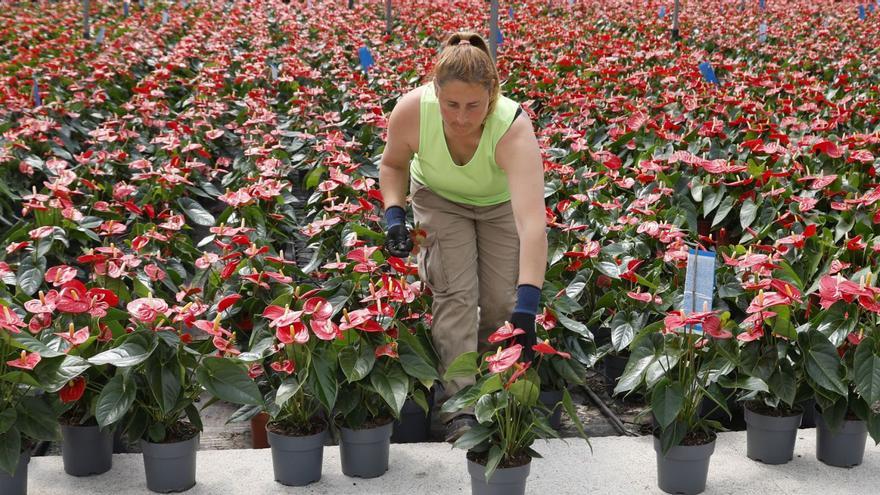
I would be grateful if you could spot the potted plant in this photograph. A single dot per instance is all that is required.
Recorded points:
(73, 324)
(842, 352)
(25, 416)
(504, 398)
(770, 367)
(155, 387)
(677, 368)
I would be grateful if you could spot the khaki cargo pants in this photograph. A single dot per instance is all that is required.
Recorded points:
(470, 260)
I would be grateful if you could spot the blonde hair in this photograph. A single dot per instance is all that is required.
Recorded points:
(465, 57)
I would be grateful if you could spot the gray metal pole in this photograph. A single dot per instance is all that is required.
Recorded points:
(388, 17)
(86, 34)
(493, 29)
(675, 32)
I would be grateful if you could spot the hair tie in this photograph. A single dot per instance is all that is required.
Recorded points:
(464, 42)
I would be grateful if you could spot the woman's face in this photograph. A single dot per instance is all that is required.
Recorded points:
(463, 106)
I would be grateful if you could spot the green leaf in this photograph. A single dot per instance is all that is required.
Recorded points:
(325, 386)
(723, 209)
(115, 400)
(822, 362)
(526, 389)
(414, 365)
(36, 419)
(392, 384)
(575, 326)
(568, 406)
(782, 383)
(289, 387)
(711, 199)
(487, 406)
(228, 380)
(867, 371)
(747, 213)
(30, 274)
(10, 450)
(356, 365)
(672, 435)
(783, 326)
(576, 286)
(133, 351)
(495, 456)
(644, 354)
(465, 397)
(192, 209)
(21, 377)
(609, 268)
(30, 343)
(623, 328)
(164, 382)
(464, 366)
(7, 419)
(56, 372)
(666, 401)
(473, 437)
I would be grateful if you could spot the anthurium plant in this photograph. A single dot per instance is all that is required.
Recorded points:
(25, 416)
(504, 399)
(842, 350)
(677, 367)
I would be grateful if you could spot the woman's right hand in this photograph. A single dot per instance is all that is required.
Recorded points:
(397, 239)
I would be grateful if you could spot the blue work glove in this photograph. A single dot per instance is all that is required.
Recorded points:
(527, 299)
(397, 239)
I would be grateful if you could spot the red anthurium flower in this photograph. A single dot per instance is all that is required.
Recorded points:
(106, 334)
(25, 361)
(73, 390)
(72, 298)
(39, 322)
(504, 358)
(285, 366)
(295, 333)
(677, 319)
(855, 338)
(228, 301)
(75, 338)
(211, 327)
(318, 308)
(60, 275)
(754, 333)
(765, 300)
(546, 319)
(389, 350)
(362, 319)
(401, 266)
(281, 317)
(545, 348)
(10, 320)
(712, 327)
(255, 370)
(146, 309)
(225, 346)
(506, 331)
(519, 370)
(325, 329)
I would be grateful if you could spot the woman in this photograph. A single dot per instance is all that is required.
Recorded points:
(474, 170)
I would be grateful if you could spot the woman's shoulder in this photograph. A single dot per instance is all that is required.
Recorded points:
(407, 106)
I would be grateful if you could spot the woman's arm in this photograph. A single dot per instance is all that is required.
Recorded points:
(518, 154)
(399, 150)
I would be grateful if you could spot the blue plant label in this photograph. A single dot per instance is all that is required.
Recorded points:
(699, 283)
(862, 15)
(662, 13)
(274, 70)
(99, 39)
(141, 4)
(870, 8)
(762, 4)
(164, 17)
(125, 9)
(510, 13)
(366, 58)
(498, 38)
(762, 32)
(35, 90)
(708, 72)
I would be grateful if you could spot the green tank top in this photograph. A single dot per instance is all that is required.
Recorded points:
(479, 182)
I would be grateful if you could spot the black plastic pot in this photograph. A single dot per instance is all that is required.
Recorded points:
(414, 424)
(297, 461)
(809, 418)
(684, 469)
(504, 481)
(364, 453)
(551, 398)
(16, 484)
(844, 447)
(170, 467)
(612, 368)
(86, 450)
(770, 439)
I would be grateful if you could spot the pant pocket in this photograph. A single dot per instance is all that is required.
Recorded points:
(430, 263)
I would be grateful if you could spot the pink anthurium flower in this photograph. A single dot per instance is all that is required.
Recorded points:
(506, 331)
(545, 348)
(26, 361)
(504, 358)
